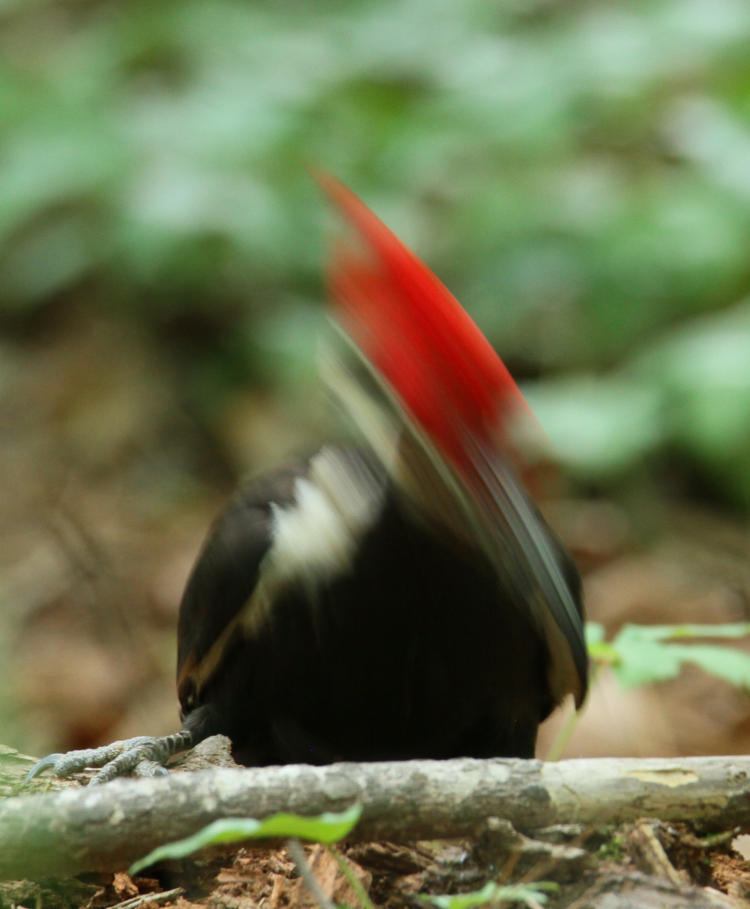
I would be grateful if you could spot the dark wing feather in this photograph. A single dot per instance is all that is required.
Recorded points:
(538, 564)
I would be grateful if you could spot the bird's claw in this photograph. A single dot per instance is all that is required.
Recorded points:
(140, 756)
(46, 763)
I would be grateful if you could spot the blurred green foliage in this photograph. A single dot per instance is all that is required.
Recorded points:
(577, 172)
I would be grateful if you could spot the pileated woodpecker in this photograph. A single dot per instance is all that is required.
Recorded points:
(400, 599)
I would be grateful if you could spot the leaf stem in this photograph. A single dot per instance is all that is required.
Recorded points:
(305, 872)
(351, 877)
(569, 726)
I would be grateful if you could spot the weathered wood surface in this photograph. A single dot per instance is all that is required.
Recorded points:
(107, 827)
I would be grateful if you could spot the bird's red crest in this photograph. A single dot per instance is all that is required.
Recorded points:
(418, 337)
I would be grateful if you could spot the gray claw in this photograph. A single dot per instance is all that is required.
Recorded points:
(46, 763)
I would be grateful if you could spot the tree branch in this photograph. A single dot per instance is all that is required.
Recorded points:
(105, 828)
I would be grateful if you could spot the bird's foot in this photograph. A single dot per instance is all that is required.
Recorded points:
(140, 756)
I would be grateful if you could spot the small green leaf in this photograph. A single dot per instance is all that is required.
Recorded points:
(325, 828)
(600, 651)
(732, 666)
(594, 633)
(667, 632)
(646, 654)
(642, 662)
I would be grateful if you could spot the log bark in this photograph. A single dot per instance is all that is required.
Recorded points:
(107, 827)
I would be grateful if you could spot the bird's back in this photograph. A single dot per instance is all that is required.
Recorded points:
(413, 647)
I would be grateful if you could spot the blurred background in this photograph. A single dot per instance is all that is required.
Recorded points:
(577, 172)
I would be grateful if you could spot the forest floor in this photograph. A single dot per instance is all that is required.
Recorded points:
(642, 863)
(645, 863)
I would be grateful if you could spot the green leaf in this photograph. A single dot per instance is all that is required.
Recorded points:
(643, 662)
(529, 894)
(600, 651)
(594, 634)
(732, 666)
(604, 653)
(674, 632)
(325, 828)
(648, 653)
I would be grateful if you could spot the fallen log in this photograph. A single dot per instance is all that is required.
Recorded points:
(105, 828)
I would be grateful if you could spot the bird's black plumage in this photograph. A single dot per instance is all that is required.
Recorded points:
(416, 648)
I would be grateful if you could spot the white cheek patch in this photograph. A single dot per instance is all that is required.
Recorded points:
(312, 540)
(311, 537)
(316, 538)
